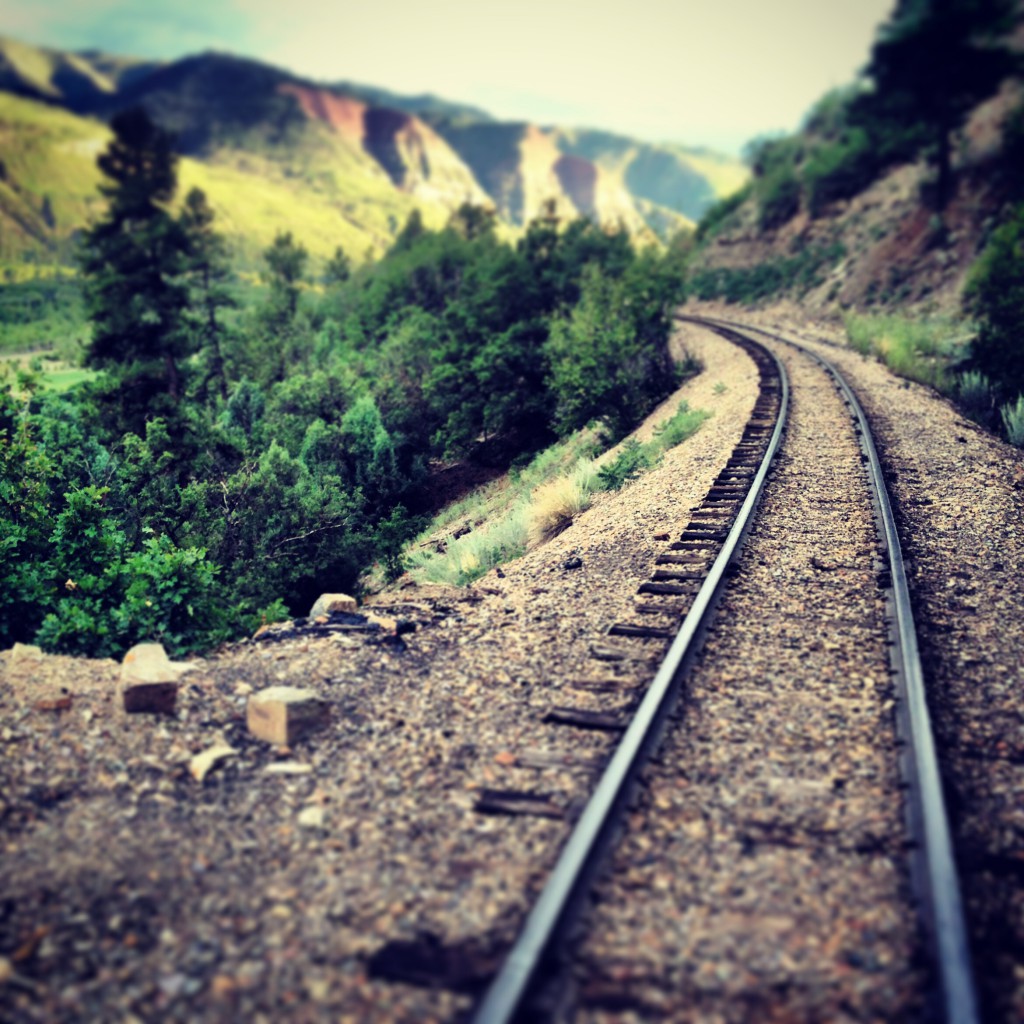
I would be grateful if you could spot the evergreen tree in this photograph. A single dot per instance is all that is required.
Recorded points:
(472, 222)
(338, 269)
(280, 334)
(933, 62)
(206, 263)
(132, 261)
(286, 261)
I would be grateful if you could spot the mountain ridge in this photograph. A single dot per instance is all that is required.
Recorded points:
(365, 157)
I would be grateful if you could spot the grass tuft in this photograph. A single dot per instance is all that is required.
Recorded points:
(1013, 420)
(555, 504)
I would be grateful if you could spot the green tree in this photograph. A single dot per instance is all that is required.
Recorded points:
(471, 221)
(412, 230)
(279, 339)
(286, 261)
(208, 274)
(133, 260)
(338, 269)
(933, 62)
(609, 357)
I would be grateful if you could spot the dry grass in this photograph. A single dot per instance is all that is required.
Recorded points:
(554, 504)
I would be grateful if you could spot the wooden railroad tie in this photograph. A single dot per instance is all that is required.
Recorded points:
(513, 801)
(644, 632)
(604, 721)
(670, 589)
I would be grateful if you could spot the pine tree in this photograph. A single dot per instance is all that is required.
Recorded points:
(132, 261)
(933, 62)
(286, 261)
(338, 269)
(206, 264)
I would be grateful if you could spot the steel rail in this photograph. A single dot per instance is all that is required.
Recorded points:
(932, 860)
(550, 914)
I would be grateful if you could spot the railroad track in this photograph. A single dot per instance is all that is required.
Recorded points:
(687, 583)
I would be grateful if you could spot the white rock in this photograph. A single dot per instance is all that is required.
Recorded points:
(202, 764)
(148, 663)
(288, 768)
(25, 652)
(311, 817)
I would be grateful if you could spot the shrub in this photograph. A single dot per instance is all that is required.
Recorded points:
(778, 198)
(717, 215)
(995, 294)
(627, 465)
(838, 170)
(682, 425)
(1013, 420)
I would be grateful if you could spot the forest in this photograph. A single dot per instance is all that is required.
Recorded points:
(237, 450)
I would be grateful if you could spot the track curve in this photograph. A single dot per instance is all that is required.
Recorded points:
(552, 912)
(934, 868)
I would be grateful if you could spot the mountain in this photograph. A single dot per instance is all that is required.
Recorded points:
(337, 165)
(78, 81)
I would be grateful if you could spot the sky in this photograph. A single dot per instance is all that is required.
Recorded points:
(714, 73)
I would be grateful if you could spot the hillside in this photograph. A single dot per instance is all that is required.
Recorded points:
(884, 246)
(335, 164)
(893, 188)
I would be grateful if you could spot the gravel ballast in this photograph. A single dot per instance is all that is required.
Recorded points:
(763, 874)
(959, 499)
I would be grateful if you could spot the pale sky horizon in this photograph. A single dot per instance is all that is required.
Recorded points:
(703, 73)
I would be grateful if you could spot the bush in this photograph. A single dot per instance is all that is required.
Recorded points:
(113, 598)
(974, 393)
(838, 170)
(778, 198)
(995, 295)
(627, 465)
(682, 425)
(555, 504)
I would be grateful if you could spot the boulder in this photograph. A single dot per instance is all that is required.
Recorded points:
(328, 603)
